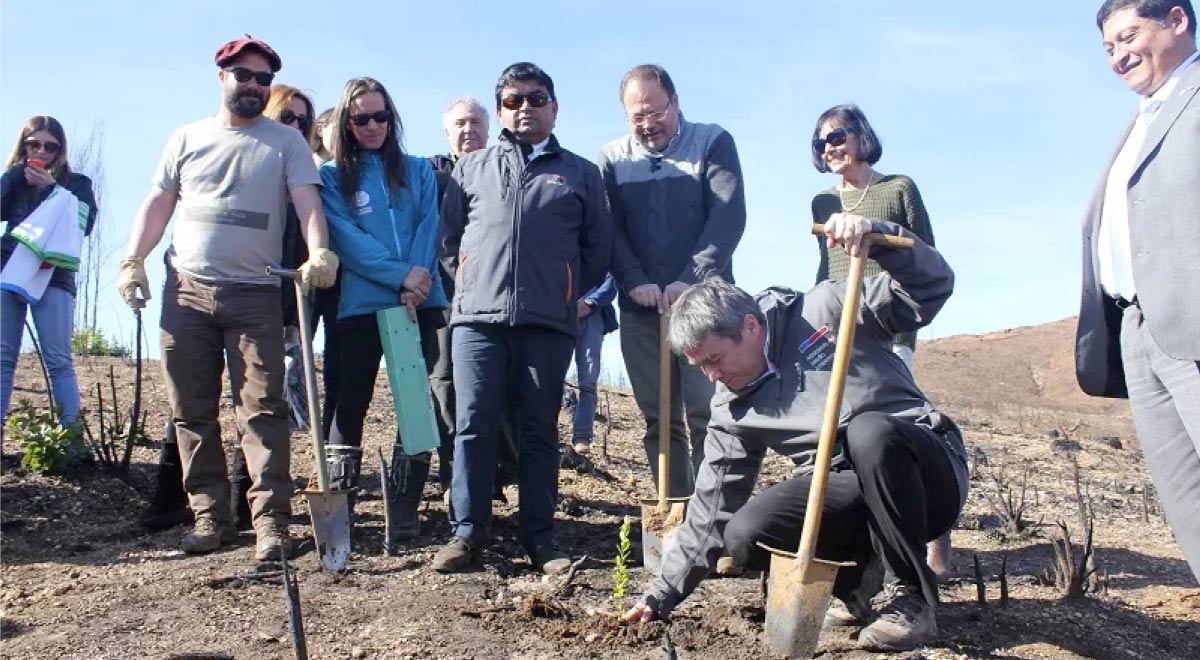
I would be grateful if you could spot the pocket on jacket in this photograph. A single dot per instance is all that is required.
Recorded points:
(544, 289)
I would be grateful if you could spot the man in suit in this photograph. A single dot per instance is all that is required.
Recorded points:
(1139, 322)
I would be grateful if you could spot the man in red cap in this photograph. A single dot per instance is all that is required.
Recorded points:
(224, 179)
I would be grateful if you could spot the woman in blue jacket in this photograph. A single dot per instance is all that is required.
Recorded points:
(381, 206)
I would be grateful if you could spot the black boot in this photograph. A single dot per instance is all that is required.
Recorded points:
(168, 505)
(407, 483)
(239, 482)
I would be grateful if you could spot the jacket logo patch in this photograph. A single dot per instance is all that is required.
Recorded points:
(363, 202)
(557, 179)
(817, 351)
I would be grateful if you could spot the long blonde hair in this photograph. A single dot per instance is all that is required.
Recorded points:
(281, 99)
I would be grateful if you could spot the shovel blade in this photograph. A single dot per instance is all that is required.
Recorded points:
(658, 530)
(798, 594)
(330, 513)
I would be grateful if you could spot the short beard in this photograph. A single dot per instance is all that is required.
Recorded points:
(245, 104)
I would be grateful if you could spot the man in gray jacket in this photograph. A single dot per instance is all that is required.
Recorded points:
(678, 214)
(899, 474)
(525, 229)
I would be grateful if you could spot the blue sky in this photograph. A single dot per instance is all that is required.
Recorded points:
(1004, 113)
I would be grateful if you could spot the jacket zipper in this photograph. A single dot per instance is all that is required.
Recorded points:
(391, 214)
(516, 229)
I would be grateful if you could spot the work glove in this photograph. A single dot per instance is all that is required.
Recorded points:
(320, 271)
(131, 278)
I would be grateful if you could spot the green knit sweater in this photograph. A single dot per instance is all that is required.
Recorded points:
(894, 198)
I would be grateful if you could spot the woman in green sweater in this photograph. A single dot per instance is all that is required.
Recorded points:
(844, 144)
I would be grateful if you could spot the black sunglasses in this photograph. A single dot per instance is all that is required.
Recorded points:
(380, 117)
(38, 145)
(835, 138)
(515, 101)
(243, 75)
(287, 117)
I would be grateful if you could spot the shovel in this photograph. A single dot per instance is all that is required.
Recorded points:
(329, 510)
(661, 517)
(800, 584)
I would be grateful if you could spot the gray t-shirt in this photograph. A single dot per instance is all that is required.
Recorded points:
(233, 188)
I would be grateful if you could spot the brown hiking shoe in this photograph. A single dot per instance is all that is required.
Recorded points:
(456, 557)
(271, 539)
(207, 535)
(905, 620)
(550, 560)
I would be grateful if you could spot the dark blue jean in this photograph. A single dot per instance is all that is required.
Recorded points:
(499, 367)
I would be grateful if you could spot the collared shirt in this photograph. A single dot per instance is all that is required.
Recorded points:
(1113, 247)
(539, 149)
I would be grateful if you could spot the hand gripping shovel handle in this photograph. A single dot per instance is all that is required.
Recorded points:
(310, 376)
(837, 387)
(664, 413)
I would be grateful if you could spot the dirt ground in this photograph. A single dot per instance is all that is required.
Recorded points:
(80, 579)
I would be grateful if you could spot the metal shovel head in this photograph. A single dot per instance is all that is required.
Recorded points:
(658, 530)
(330, 513)
(798, 594)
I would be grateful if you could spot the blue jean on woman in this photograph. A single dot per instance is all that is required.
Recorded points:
(54, 320)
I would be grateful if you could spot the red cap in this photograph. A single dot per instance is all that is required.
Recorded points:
(239, 46)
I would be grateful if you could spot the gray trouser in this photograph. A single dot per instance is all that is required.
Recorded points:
(1164, 393)
(691, 392)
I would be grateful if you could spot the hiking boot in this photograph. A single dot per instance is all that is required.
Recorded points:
(207, 535)
(838, 615)
(271, 539)
(456, 557)
(550, 560)
(905, 620)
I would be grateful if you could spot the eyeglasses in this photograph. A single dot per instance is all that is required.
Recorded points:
(649, 117)
(243, 75)
(835, 138)
(380, 117)
(47, 147)
(287, 117)
(515, 101)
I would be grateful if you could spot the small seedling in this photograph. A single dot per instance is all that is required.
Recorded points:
(42, 440)
(621, 565)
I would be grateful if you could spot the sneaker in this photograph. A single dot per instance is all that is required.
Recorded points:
(550, 560)
(207, 535)
(271, 539)
(456, 557)
(905, 620)
(838, 615)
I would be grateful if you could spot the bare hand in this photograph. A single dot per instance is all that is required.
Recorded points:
(847, 229)
(673, 291)
(640, 613)
(647, 295)
(418, 281)
(584, 311)
(36, 176)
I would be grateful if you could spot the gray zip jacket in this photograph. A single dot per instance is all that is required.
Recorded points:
(782, 410)
(524, 241)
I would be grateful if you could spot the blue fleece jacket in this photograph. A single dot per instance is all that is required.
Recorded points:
(384, 235)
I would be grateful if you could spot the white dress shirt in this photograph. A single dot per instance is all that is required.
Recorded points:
(1113, 248)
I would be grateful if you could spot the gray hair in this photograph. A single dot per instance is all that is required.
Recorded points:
(468, 101)
(711, 307)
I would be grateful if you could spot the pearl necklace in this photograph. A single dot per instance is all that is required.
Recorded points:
(866, 190)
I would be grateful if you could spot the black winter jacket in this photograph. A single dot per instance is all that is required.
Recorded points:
(524, 241)
(18, 199)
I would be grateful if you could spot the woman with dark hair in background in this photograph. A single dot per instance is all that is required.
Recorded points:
(843, 143)
(37, 166)
(382, 208)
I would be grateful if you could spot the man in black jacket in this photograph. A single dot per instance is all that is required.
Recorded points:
(525, 228)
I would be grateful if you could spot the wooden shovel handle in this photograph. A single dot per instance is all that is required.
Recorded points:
(664, 412)
(833, 407)
(889, 240)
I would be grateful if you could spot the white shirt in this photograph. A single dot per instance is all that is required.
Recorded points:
(539, 148)
(1113, 248)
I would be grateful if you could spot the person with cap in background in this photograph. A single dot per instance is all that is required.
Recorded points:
(224, 177)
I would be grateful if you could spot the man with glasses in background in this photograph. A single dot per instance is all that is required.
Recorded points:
(226, 175)
(525, 229)
(679, 210)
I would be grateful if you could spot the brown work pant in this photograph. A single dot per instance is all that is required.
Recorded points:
(204, 328)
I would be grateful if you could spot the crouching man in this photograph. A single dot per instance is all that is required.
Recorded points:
(899, 473)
